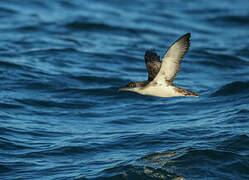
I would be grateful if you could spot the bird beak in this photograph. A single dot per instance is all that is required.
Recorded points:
(124, 89)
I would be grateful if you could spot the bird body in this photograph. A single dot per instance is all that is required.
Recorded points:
(159, 90)
(161, 74)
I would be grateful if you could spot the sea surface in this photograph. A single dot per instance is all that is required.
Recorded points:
(61, 116)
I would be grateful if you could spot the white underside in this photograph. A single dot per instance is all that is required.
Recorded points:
(160, 91)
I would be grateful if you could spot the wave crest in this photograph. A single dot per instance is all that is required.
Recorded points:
(233, 88)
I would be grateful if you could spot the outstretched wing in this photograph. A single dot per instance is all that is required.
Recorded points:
(171, 61)
(153, 64)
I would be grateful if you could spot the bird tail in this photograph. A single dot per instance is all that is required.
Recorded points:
(191, 93)
(187, 93)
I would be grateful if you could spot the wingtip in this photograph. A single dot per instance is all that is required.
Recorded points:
(189, 33)
(151, 56)
(187, 36)
(184, 38)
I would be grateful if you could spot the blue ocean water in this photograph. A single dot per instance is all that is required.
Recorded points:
(61, 117)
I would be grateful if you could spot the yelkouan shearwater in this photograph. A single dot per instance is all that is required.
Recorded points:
(161, 74)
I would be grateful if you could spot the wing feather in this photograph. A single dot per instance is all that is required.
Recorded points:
(153, 68)
(171, 61)
(153, 64)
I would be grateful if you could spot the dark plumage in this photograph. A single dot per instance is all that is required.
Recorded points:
(153, 64)
(137, 84)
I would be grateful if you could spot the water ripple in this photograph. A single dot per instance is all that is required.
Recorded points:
(62, 62)
(234, 88)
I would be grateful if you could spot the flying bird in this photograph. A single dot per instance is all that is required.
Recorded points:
(161, 74)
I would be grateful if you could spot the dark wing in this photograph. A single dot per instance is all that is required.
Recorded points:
(153, 64)
(137, 84)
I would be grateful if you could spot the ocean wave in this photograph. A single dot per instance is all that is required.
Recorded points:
(97, 80)
(83, 25)
(49, 50)
(140, 172)
(215, 58)
(8, 64)
(5, 168)
(47, 102)
(60, 151)
(236, 143)
(234, 88)
(229, 20)
(6, 12)
(61, 116)
(10, 106)
(181, 164)
(78, 25)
